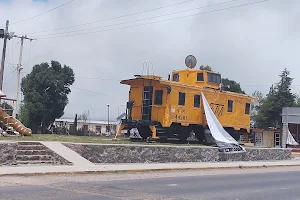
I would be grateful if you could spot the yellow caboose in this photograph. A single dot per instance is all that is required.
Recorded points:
(173, 108)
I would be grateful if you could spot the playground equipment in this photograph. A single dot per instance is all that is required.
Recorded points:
(9, 124)
(7, 121)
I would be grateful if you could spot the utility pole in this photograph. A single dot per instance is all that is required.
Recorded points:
(3, 54)
(19, 68)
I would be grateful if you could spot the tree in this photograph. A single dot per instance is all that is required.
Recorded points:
(45, 91)
(270, 108)
(75, 122)
(7, 108)
(232, 86)
(206, 67)
(297, 102)
(85, 116)
(255, 104)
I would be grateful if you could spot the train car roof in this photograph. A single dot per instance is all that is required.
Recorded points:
(195, 70)
(177, 84)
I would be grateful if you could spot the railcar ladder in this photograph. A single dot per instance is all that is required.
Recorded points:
(146, 107)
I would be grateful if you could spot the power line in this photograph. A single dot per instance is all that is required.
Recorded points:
(111, 79)
(97, 93)
(175, 18)
(44, 12)
(108, 19)
(141, 19)
(95, 78)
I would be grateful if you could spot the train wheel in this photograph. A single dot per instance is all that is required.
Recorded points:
(199, 133)
(144, 132)
(183, 133)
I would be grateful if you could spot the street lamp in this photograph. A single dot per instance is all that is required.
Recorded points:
(108, 128)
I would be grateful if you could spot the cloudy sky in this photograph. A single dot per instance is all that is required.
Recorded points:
(250, 44)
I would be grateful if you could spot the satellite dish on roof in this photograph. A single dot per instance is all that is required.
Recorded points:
(190, 61)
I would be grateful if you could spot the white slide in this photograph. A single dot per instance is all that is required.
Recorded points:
(223, 139)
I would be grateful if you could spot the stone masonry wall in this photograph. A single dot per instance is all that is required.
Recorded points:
(163, 154)
(143, 153)
(8, 153)
(257, 154)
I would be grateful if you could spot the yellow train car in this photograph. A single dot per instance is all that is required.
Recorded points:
(173, 108)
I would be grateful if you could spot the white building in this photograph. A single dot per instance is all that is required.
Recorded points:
(93, 126)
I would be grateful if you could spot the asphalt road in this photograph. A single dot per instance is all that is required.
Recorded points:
(238, 184)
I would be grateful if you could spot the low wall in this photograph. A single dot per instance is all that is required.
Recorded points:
(110, 153)
(256, 154)
(8, 153)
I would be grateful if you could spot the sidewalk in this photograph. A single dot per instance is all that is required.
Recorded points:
(138, 167)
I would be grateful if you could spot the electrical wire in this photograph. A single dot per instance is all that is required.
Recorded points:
(140, 19)
(43, 12)
(97, 93)
(28, 62)
(6, 80)
(95, 78)
(112, 18)
(175, 18)
(111, 79)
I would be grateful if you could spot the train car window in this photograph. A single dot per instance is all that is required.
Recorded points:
(175, 77)
(158, 97)
(214, 78)
(181, 99)
(247, 109)
(230, 106)
(196, 101)
(200, 77)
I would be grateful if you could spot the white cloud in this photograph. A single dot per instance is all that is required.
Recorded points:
(251, 44)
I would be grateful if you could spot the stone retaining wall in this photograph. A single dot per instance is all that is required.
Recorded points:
(105, 153)
(8, 153)
(35, 153)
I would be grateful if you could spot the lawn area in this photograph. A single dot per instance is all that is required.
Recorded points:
(87, 139)
(67, 138)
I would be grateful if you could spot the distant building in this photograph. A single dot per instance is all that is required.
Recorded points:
(267, 137)
(93, 126)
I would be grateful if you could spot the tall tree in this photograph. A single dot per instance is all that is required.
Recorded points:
(232, 86)
(255, 104)
(206, 67)
(45, 91)
(85, 116)
(278, 97)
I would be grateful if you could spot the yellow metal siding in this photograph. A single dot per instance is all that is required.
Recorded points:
(170, 112)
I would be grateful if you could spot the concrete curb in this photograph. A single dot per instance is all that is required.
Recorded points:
(107, 171)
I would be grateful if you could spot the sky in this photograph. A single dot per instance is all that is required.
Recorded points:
(250, 44)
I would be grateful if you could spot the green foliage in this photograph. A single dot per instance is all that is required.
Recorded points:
(85, 116)
(45, 92)
(233, 86)
(297, 102)
(75, 122)
(206, 67)
(270, 107)
(255, 104)
(7, 108)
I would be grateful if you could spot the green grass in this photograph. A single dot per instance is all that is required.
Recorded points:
(85, 139)
(67, 138)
